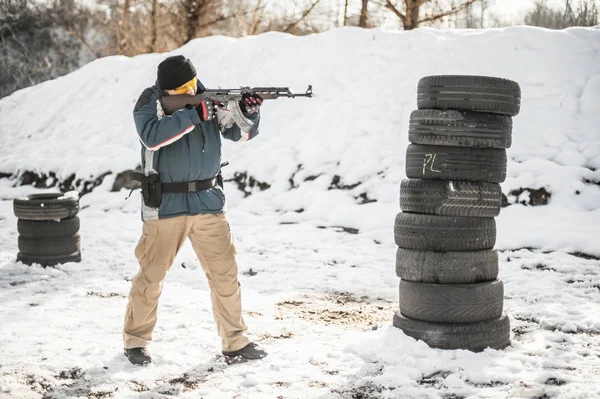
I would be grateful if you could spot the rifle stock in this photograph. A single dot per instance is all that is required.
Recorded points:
(173, 103)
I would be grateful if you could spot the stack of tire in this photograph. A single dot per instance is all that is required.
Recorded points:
(450, 294)
(48, 229)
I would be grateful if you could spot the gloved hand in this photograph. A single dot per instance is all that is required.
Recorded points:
(250, 103)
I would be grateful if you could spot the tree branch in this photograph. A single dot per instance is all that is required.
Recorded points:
(81, 39)
(304, 15)
(222, 18)
(453, 10)
(256, 18)
(391, 7)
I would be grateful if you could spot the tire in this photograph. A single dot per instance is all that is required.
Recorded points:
(452, 303)
(49, 206)
(444, 233)
(470, 93)
(431, 267)
(455, 163)
(475, 337)
(460, 128)
(450, 198)
(51, 228)
(49, 260)
(49, 246)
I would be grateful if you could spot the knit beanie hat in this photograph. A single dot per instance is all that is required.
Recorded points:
(175, 71)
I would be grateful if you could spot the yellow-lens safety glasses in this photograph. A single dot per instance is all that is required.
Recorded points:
(186, 87)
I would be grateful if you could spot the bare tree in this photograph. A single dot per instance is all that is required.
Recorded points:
(41, 41)
(153, 26)
(250, 17)
(545, 16)
(123, 28)
(303, 16)
(587, 13)
(208, 17)
(409, 11)
(345, 12)
(473, 16)
(197, 12)
(362, 22)
(256, 17)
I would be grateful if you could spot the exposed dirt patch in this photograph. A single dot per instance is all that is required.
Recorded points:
(66, 384)
(336, 184)
(555, 381)
(50, 180)
(252, 313)
(584, 255)
(186, 382)
(580, 255)
(189, 382)
(491, 384)
(539, 266)
(435, 380)
(589, 181)
(71, 374)
(269, 337)
(105, 294)
(138, 386)
(527, 196)
(247, 184)
(317, 384)
(524, 325)
(341, 229)
(250, 272)
(342, 309)
(38, 384)
(366, 391)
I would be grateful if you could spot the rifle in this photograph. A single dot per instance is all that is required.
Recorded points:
(173, 103)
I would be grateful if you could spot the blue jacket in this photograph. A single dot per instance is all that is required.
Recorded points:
(182, 148)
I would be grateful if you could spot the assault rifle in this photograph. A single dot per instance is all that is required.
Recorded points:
(172, 103)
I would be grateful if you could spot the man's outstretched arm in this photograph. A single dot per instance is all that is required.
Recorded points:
(157, 130)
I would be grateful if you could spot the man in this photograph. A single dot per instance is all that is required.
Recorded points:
(182, 198)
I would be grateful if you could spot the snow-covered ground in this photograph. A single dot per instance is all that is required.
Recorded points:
(317, 263)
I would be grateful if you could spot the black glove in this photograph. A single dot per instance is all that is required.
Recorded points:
(250, 103)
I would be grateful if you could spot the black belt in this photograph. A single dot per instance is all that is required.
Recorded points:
(189, 186)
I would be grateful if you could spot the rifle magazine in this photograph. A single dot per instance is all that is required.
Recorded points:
(238, 116)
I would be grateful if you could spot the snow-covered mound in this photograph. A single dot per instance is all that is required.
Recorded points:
(353, 134)
(319, 300)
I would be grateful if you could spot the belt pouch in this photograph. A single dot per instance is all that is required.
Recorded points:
(151, 190)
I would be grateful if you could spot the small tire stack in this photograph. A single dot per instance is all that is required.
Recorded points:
(450, 294)
(48, 229)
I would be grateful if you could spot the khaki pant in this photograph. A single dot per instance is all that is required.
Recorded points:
(214, 245)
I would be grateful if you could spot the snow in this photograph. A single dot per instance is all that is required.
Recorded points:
(318, 294)
(590, 99)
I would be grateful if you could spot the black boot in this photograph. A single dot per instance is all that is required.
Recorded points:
(138, 356)
(250, 352)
